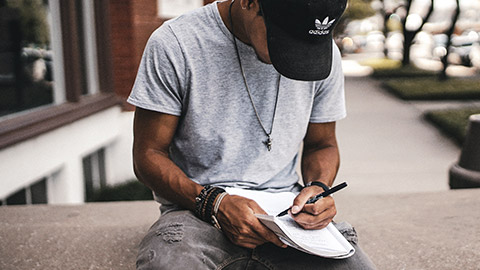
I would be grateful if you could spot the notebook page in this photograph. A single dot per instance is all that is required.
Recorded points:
(272, 203)
(322, 239)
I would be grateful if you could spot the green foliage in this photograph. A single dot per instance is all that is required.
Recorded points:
(433, 89)
(402, 72)
(389, 68)
(359, 9)
(356, 10)
(382, 63)
(453, 122)
(33, 21)
(129, 191)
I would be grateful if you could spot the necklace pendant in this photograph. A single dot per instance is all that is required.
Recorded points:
(268, 143)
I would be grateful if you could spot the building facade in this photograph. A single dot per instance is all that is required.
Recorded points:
(66, 69)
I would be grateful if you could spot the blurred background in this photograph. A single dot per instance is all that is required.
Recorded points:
(67, 67)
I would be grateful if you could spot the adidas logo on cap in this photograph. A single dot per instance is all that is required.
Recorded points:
(322, 27)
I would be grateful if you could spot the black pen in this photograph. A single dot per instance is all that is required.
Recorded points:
(319, 196)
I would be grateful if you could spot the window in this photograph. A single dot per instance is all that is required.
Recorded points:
(26, 57)
(58, 73)
(33, 194)
(94, 173)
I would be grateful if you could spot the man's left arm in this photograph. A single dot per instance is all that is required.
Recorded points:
(320, 163)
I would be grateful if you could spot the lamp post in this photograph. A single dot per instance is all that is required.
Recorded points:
(466, 173)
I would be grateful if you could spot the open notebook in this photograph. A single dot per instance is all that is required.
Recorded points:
(327, 242)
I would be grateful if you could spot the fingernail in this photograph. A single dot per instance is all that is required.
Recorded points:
(284, 246)
(295, 209)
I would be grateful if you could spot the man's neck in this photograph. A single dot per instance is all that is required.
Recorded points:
(238, 30)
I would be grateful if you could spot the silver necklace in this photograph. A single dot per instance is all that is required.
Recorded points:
(268, 143)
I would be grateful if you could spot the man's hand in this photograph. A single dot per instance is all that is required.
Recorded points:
(239, 223)
(313, 216)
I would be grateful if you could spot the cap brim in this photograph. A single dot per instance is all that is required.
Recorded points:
(296, 58)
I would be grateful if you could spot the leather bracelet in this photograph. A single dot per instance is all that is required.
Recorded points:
(204, 203)
(200, 201)
(319, 184)
(209, 204)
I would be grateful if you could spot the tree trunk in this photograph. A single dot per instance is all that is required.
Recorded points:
(410, 35)
(443, 74)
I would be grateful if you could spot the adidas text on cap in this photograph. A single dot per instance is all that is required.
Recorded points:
(299, 36)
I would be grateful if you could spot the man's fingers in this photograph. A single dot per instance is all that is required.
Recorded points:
(320, 206)
(270, 236)
(318, 219)
(241, 226)
(263, 231)
(302, 198)
(316, 215)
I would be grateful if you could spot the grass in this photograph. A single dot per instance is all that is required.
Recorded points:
(129, 191)
(432, 89)
(452, 122)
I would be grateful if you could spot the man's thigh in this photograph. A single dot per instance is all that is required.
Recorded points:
(179, 240)
(290, 258)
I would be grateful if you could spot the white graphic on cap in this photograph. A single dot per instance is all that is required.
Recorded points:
(322, 27)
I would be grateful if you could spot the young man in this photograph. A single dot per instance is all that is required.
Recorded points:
(225, 96)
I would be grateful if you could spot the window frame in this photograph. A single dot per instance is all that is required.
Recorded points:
(32, 123)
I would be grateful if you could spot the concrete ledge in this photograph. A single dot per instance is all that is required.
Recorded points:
(417, 231)
(90, 236)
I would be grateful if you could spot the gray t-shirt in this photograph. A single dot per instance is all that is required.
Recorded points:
(190, 69)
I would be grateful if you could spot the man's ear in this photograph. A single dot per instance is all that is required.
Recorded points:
(246, 4)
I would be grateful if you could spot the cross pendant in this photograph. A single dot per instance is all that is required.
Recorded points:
(268, 143)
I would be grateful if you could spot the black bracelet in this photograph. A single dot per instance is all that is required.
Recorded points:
(319, 184)
(210, 204)
(204, 203)
(200, 200)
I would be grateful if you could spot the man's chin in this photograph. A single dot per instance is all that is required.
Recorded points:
(265, 61)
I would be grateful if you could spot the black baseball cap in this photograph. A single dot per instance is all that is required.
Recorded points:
(299, 36)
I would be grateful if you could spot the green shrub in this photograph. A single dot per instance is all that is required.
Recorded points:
(388, 68)
(452, 122)
(381, 63)
(432, 89)
(129, 191)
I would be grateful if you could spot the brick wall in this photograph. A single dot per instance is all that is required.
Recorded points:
(132, 23)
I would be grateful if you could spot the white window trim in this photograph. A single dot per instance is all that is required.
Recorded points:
(59, 93)
(90, 46)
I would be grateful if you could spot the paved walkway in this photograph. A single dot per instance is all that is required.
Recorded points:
(387, 147)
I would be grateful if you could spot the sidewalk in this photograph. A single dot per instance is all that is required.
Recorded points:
(398, 198)
(386, 146)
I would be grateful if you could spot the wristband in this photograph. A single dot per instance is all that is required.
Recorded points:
(215, 210)
(319, 184)
(204, 203)
(200, 201)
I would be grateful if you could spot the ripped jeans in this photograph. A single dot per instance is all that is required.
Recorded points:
(179, 240)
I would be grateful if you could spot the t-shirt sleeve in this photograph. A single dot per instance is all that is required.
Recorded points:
(329, 100)
(161, 74)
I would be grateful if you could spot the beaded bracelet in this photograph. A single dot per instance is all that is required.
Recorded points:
(200, 200)
(204, 203)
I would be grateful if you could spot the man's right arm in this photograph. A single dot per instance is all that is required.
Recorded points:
(153, 133)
